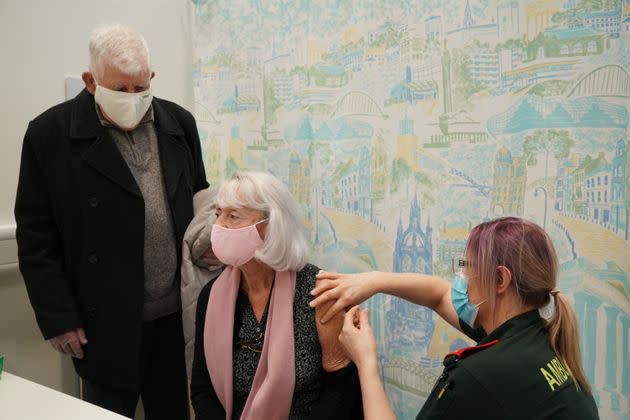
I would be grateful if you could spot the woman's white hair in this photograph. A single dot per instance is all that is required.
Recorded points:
(120, 47)
(284, 247)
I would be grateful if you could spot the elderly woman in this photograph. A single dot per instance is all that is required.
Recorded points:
(259, 350)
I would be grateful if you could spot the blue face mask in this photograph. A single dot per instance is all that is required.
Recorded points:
(466, 311)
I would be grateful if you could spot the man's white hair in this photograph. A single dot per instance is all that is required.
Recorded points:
(284, 247)
(120, 47)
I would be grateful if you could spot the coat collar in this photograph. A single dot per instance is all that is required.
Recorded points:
(104, 156)
(84, 122)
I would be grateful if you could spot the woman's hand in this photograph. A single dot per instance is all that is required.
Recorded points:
(358, 339)
(333, 355)
(345, 290)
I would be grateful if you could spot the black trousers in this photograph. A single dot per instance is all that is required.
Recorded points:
(164, 385)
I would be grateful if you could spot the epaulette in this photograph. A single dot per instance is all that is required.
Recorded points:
(465, 352)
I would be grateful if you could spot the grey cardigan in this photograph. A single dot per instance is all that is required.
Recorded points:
(197, 271)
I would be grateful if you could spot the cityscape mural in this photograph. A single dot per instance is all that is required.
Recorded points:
(400, 125)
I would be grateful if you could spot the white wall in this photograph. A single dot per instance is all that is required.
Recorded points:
(41, 42)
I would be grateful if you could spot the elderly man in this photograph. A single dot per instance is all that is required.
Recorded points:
(104, 197)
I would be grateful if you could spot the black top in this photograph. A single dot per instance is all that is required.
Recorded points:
(519, 377)
(317, 394)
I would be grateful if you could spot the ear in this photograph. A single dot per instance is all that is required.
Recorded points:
(90, 83)
(262, 229)
(504, 279)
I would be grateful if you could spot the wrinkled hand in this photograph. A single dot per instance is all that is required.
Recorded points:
(346, 290)
(357, 337)
(70, 343)
(333, 355)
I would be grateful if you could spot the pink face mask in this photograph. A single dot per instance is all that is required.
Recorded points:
(235, 246)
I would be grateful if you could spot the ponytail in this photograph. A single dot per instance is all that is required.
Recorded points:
(564, 338)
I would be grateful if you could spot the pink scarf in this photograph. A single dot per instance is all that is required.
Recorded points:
(274, 382)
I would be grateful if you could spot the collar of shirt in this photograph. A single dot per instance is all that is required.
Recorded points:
(513, 326)
(148, 117)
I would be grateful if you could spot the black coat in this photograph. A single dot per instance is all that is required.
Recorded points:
(80, 228)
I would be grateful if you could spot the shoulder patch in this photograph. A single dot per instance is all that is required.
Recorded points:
(467, 351)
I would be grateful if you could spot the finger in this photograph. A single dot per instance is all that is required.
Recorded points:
(55, 345)
(82, 337)
(66, 349)
(323, 298)
(364, 319)
(326, 275)
(334, 309)
(322, 286)
(76, 350)
(348, 319)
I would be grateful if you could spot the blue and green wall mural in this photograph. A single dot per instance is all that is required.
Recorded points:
(399, 125)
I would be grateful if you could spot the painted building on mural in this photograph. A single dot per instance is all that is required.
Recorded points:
(565, 185)
(510, 177)
(300, 179)
(433, 28)
(452, 242)
(379, 168)
(539, 16)
(364, 193)
(619, 201)
(597, 176)
(236, 147)
(407, 144)
(470, 28)
(213, 163)
(413, 251)
(409, 329)
(509, 23)
(602, 312)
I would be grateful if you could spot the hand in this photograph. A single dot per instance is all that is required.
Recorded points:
(346, 289)
(357, 337)
(333, 355)
(70, 343)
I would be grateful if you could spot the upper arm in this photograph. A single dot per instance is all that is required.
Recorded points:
(328, 332)
(446, 310)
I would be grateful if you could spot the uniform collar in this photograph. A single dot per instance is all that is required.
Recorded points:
(513, 326)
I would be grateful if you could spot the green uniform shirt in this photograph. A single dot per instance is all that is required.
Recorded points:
(516, 375)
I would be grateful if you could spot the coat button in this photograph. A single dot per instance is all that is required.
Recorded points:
(91, 312)
(93, 202)
(92, 258)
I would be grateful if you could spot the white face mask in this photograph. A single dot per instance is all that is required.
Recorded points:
(124, 109)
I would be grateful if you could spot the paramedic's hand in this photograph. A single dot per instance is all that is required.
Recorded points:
(344, 290)
(357, 337)
(70, 343)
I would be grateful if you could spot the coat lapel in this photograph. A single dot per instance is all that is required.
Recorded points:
(105, 157)
(102, 155)
(173, 154)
